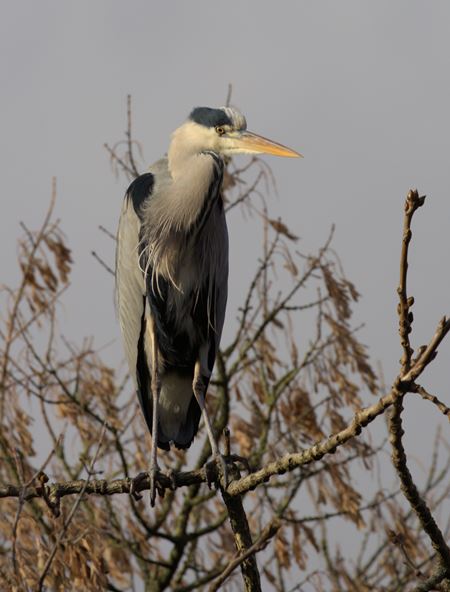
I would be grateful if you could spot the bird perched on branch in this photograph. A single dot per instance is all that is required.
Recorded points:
(172, 273)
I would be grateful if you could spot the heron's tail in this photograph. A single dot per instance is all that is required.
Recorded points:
(179, 413)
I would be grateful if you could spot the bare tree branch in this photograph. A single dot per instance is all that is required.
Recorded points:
(243, 541)
(269, 531)
(399, 459)
(439, 404)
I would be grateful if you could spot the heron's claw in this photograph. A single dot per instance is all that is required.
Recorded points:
(134, 484)
(210, 472)
(153, 484)
(239, 459)
(151, 478)
(144, 478)
(218, 472)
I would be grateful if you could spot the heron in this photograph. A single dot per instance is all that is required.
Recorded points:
(172, 275)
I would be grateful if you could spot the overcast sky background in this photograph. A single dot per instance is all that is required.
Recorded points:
(361, 88)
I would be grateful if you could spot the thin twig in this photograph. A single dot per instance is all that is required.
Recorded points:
(429, 397)
(23, 489)
(20, 292)
(107, 232)
(130, 139)
(229, 93)
(71, 514)
(412, 203)
(115, 158)
(103, 264)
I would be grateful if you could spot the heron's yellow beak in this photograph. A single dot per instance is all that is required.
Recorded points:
(252, 143)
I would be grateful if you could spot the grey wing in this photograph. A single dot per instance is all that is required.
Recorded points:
(130, 285)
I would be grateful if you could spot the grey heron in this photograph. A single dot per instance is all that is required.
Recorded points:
(172, 274)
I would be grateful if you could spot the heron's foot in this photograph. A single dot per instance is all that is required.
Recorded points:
(135, 483)
(211, 474)
(218, 470)
(142, 479)
(235, 458)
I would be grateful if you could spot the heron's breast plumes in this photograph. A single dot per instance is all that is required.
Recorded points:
(183, 247)
(170, 234)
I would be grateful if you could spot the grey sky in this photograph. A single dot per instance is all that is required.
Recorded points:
(362, 89)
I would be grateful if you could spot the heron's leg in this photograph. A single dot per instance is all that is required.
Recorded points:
(198, 387)
(156, 389)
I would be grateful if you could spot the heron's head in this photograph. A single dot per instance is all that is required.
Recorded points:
(224, 131)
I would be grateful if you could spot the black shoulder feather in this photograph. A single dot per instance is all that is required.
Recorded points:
(139, 190)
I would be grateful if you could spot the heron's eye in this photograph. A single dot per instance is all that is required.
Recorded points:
(220, 130)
